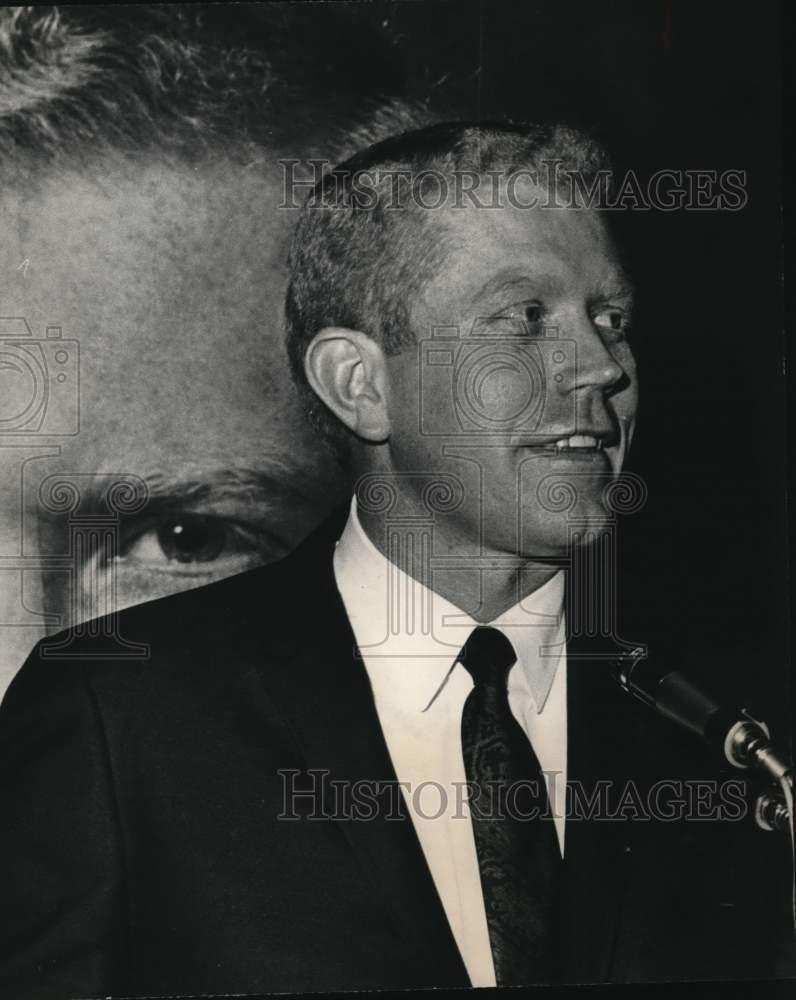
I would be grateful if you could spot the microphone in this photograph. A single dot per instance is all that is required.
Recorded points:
(732, 733)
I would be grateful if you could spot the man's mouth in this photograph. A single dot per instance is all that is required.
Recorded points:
(578, 442)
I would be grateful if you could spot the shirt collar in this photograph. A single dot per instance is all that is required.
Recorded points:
(399, 620)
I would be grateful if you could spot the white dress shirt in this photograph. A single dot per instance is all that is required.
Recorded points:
(419, 690)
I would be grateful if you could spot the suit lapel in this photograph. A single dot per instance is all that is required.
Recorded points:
(597, 849)
(314, 672)
(310, 667)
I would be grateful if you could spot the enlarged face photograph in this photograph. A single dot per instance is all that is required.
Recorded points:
(393, 499)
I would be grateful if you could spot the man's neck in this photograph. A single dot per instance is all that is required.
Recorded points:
(486, 587)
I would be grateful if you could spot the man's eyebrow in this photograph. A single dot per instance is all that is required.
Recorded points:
(168, 490)
(505, 281)
(220, 483)
(619, 287)
(615, 287)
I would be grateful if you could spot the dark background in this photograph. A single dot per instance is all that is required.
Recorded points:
(664, 84)
(686, 86)
(681, 85)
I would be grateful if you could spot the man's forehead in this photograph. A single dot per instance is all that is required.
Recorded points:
(147, 200)
(172, 282)
(511, 238)
(139, 241)
(517, 206)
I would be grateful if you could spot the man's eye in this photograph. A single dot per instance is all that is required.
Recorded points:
(171, 551)
(615, 321)
(523, 317)
(533, 312)
(192, 543)
(192, 539)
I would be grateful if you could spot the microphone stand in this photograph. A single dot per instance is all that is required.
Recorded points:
(743, 741)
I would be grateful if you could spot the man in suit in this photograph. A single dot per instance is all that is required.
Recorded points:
(346, 770)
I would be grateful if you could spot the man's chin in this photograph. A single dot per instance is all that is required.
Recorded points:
(561, 532)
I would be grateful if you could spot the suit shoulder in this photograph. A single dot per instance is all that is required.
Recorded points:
(207, 632)
(260, 597)
(188, 618)
(192, 643)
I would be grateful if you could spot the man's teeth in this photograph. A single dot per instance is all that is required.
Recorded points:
(578, 441)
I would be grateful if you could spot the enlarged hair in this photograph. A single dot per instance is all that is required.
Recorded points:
(195, 80)
(360, 256)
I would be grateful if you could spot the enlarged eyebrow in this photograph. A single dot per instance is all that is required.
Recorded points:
(219, 484)
(277, 486)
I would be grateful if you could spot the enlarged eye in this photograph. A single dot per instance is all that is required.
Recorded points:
(191, 539)
(170, 552)
(191, 542)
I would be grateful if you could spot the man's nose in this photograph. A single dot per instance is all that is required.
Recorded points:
(594, 365)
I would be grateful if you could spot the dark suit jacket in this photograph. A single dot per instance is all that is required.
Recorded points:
(142, 851)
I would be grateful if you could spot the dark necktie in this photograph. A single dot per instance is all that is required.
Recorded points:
(515, 837)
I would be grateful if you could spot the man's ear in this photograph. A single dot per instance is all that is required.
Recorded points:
(347, 370)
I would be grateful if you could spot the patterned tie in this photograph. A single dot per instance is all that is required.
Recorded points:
(515, 836)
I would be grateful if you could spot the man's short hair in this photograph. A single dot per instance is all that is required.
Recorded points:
(192, 81)
(364, 245)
